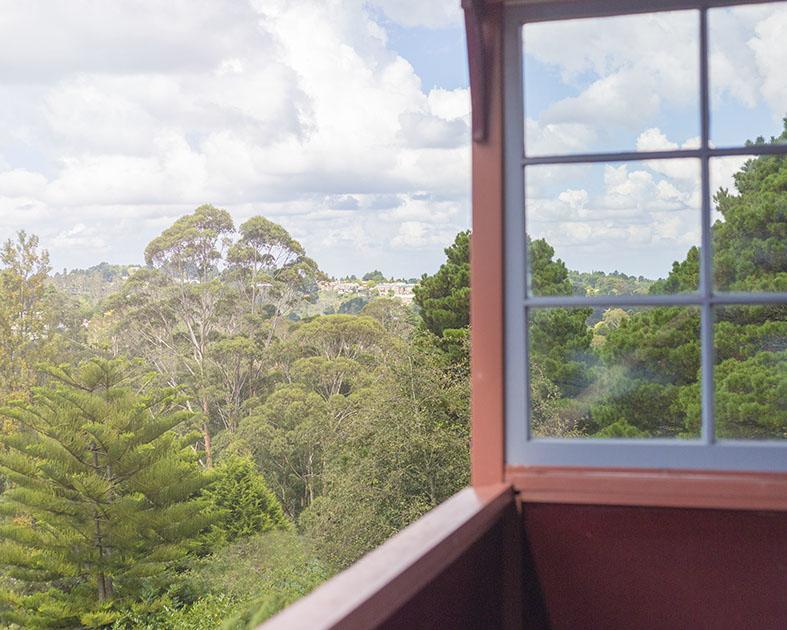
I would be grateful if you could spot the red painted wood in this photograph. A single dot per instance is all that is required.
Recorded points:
(652, 568)
(467, 594)
(476, 64)
(650, 487)
(486, 270)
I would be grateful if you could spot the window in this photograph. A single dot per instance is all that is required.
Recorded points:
(684, 366)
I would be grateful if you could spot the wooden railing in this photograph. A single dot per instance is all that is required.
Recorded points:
(457, 565)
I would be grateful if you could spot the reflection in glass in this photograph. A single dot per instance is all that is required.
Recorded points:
(612, 84)
(749, 223)
(613, 228)
(614, 373)
(750, 373)
(748, 85)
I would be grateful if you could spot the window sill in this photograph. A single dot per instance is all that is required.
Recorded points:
(648, 487)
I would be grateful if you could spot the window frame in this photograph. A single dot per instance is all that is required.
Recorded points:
(704, 453)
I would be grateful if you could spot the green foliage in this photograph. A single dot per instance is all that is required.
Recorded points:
(621, 429)
(191, 247)
(601, 283)
(374, 276)
(237, 587)
(241, 501)
(94, 284)
(560, 342)
(405, 450)
(684, 277)
(750, 398)
(286, 434)
(102, 496)
(548, 276)
(395, 318)
(353, 306)
(444, 298)
(264, 574)
(26, 313)
(661, 345)
(207, 311)
(750, 244)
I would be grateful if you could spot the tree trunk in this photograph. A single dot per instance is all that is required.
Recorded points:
(104, 582)
(208, 445)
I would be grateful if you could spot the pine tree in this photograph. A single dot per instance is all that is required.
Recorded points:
(242, 501)
(103, 496)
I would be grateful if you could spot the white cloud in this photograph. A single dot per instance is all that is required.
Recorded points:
(20, 183)
(770, 52)
(81, 235)
(629, 217)
(748, 55)
(414, 235)
(616, 75)
(42, 40)
(449, 104)
(544, 138)
(119, 117)
(620, 68)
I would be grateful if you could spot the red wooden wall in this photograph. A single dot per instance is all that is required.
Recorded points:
(635, 567)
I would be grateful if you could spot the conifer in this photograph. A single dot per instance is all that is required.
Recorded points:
(103, 497)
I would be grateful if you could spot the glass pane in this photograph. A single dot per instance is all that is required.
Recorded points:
(611, 84)
(747, 61)
(613, 228)
(749, 223)
(614, 372)
(751, 372)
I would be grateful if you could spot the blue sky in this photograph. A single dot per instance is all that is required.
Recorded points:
(348, 123)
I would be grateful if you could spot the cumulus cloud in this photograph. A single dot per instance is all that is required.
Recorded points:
(420, 235)
(625, 216)
(119, 117)
(615, 76)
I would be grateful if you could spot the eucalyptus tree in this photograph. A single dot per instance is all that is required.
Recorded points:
(25, 305)
(208, 306)
(273, 268)
(175, 308)
(327, 365)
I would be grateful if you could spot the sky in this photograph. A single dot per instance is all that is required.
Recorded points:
(631, 84)
(347, 121)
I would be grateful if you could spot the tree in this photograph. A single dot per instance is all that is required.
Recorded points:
(560, 339)
(395, 318)
(207, 311)
(375, 276)
(548, 276)
(403, 451)
(287, 435)
(353, 306)
(750, 243)
(192, 247)
(651, 361)
(102, 497)
(444, 298)
(273, 268)
(242, 502)
(750, 397)
(25, 311)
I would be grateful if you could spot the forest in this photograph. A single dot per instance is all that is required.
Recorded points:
(179, 448)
